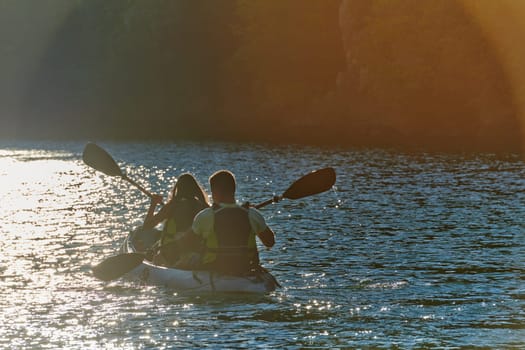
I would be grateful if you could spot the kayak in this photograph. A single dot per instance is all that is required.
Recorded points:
(132, 261)
(190, 280)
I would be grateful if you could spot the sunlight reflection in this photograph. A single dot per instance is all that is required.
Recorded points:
(40, 194)
(30, 190)
(502, 22)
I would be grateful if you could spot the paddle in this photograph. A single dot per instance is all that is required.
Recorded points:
(312, 183)
(117, 266)
(97, 158)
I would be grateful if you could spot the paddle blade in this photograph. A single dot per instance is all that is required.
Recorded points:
(97, 158)
(117, 266)
(315, 182)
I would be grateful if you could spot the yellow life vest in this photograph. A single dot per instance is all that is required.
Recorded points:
(180, 218)
(231, 247)
(169, 231)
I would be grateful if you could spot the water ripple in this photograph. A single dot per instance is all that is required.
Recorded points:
(407, 251)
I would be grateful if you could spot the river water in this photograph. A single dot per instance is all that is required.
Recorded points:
(414, 250)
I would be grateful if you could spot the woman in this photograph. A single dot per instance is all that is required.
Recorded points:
(187, 199)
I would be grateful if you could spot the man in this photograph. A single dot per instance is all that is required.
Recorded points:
(228, 230)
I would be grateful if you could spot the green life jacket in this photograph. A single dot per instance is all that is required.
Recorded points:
(180, 218)
(231, 248)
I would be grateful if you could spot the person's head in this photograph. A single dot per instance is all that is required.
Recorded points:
(187, 187)
(222, 184)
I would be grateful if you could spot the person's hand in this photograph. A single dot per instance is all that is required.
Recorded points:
(156, 199)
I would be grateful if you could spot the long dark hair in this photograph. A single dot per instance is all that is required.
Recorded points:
(187, 187)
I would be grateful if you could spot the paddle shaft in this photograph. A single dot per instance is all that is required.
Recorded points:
(100, 160)
(275, 199)
(137, 185)
(313, 183)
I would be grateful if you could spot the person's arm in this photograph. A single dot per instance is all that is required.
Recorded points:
(265, 233)
(267, 237)
(151, 219)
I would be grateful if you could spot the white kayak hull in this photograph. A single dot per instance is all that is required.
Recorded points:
(196, 281)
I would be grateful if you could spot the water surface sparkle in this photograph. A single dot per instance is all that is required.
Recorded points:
(409, 250)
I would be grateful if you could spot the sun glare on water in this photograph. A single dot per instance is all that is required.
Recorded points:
(30, 190)
(41, 198)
